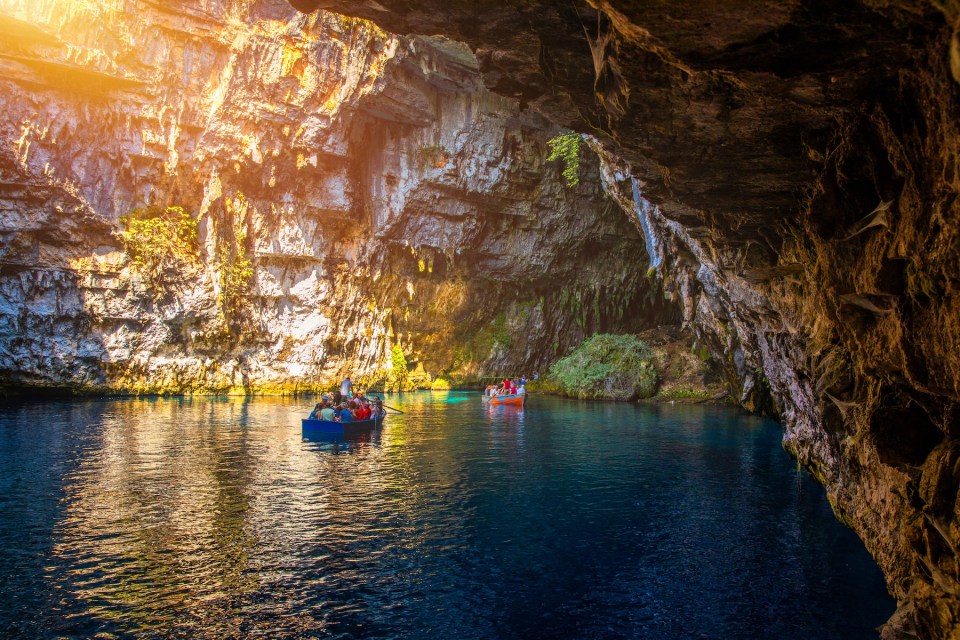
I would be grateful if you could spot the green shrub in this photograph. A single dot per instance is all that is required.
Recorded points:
(566, 146)
(161, 241)
(605, 366)
(399, 378)
(440, 383)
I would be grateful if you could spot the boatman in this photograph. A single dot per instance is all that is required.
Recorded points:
(345, 387)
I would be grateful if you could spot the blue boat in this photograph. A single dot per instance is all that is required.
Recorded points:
(346, 428)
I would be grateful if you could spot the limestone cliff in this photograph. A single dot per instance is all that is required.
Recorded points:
(377, 193)
(794, 168)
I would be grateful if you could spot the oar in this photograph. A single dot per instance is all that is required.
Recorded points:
(386, 406)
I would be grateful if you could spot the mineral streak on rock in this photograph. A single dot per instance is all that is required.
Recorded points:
(793, 166)
(382, 196)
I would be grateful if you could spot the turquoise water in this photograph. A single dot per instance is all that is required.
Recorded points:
(207, 518)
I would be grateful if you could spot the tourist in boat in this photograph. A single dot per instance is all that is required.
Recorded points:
(315, 414)
(345, 387)
(328, 413)
(343, 413)
(378, 410)
(523, 381)
(337, 397)
(364, 411)
(360, 412)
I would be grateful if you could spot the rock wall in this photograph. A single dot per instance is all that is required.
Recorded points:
(793, 167)
(788, 171)
(381, 195)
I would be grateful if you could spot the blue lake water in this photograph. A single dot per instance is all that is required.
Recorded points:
(213, 518)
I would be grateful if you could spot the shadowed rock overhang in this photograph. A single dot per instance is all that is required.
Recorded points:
(795, 165)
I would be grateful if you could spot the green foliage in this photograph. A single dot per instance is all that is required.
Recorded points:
(440, 383)
(606, 366)
(234, 269)
(236, 273)
(566, 146)
(399, 378)
(500, 337)
(684, 393)
(161, 242)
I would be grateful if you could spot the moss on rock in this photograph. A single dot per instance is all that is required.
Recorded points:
(605, 366)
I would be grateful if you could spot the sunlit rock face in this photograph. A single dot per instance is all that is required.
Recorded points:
(794, 168)
(383, 197)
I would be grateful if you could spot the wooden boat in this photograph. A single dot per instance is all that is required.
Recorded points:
(514, 400)
(309, 426)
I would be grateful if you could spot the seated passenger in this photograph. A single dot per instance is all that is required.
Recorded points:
(315, 414)
(328, 413)
(343, 414)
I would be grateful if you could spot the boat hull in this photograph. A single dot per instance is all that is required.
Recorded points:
(325, 426)
(511, 400)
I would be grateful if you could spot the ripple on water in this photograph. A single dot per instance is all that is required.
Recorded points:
(211, 518)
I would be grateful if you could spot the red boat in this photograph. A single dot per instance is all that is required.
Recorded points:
(514, 399)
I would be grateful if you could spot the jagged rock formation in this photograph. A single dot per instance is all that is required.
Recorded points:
(380, 194)
(794, 168)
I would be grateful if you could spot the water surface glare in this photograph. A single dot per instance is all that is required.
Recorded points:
(213, 518)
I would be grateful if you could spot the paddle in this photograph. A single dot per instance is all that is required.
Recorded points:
(386, 406)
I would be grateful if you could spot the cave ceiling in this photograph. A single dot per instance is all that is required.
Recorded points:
(723, 108)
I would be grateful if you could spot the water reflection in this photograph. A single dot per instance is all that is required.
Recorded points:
(337, 443)
(215, 518)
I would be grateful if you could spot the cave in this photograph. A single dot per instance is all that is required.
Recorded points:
(777, 183)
